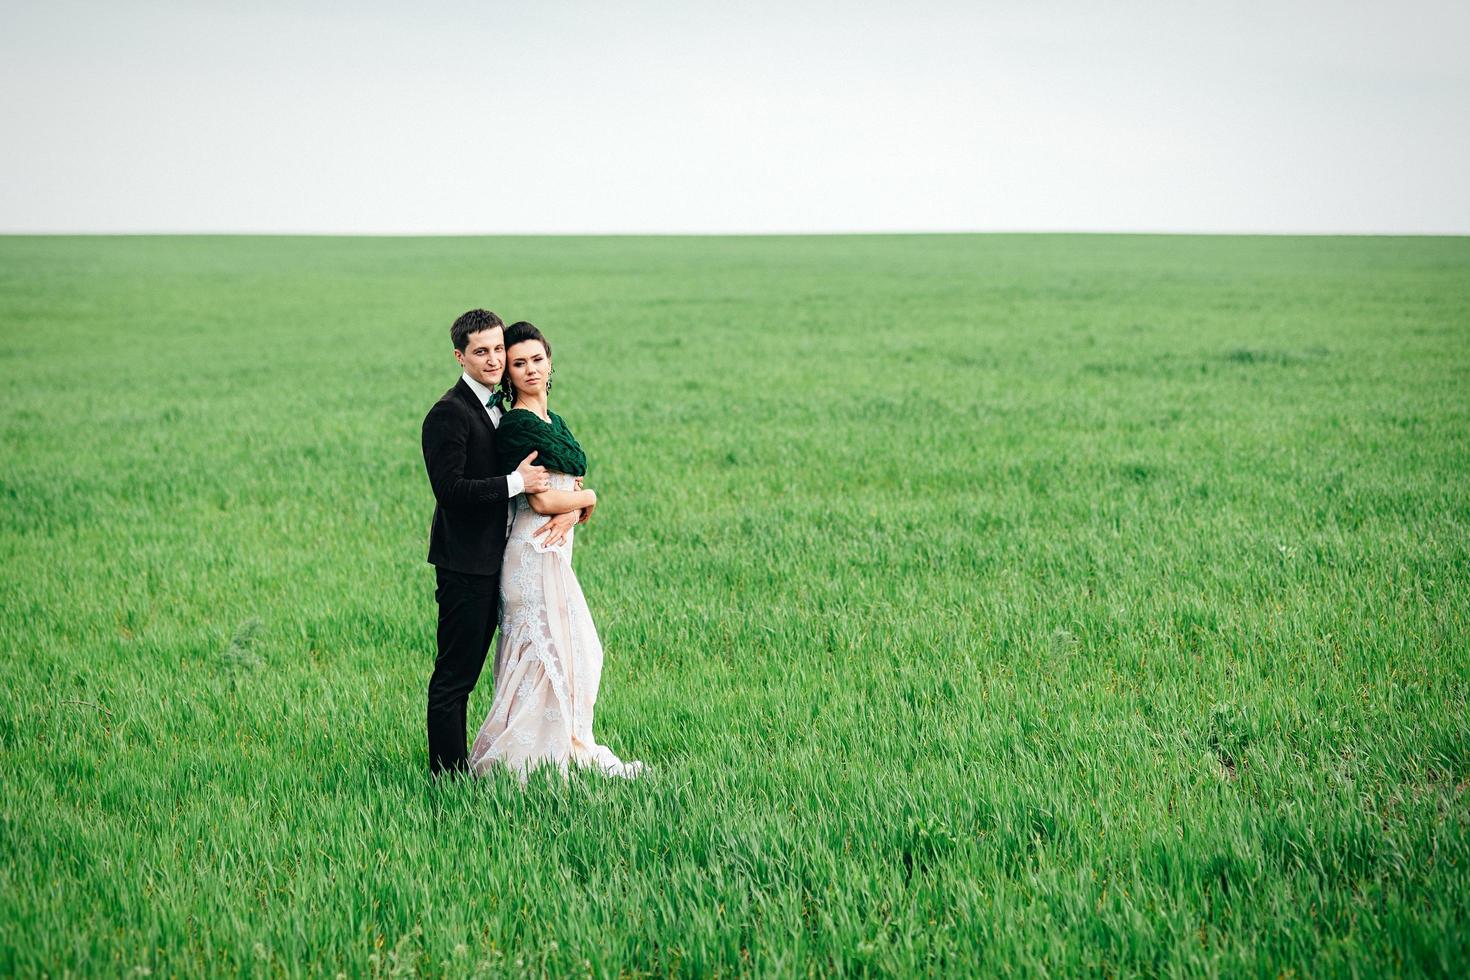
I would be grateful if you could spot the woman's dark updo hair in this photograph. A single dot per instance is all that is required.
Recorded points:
(523, 330)
(520, 332)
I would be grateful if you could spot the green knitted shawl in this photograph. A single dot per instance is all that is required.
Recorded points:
(521, 432)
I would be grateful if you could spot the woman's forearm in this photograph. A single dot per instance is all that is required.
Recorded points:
(561, 501)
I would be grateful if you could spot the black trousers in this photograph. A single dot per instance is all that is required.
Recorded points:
(469, 606)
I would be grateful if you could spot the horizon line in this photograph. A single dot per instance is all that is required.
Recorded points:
(891, 233)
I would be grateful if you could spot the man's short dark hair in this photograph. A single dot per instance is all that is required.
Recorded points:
(473, 322)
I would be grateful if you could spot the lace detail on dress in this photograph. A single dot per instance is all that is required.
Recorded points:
(548, 662)
(528, 620)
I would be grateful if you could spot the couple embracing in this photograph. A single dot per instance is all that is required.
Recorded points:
(507, 479)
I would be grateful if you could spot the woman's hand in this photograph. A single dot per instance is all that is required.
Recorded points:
(587, 511)
(556, 529)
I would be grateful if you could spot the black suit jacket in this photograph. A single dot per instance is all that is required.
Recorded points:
(468, 533)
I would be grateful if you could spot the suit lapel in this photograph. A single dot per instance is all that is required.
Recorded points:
(477, 408)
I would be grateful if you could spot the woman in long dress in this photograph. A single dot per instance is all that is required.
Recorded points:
(548, 660)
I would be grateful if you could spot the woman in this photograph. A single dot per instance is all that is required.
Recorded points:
(548, 661)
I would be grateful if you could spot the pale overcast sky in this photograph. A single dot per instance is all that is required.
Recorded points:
(490, 117)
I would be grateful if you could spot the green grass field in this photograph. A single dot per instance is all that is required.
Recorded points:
(1027, 605)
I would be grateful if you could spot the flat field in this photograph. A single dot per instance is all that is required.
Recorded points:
(1023, 605)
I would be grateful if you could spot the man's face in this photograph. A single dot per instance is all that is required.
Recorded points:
(483, 357)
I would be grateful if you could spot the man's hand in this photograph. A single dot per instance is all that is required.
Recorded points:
(578, 483)
(534, 477)
(556, 529)
(587, 511)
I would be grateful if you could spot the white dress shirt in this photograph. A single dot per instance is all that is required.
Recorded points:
(514, 485)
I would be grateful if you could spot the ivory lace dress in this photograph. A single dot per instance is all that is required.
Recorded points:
(548, 659)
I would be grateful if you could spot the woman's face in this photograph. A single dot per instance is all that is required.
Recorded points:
(528, 366)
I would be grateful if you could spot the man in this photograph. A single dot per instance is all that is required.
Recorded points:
(467, 538)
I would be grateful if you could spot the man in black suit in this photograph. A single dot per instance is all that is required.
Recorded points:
(467, 538)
